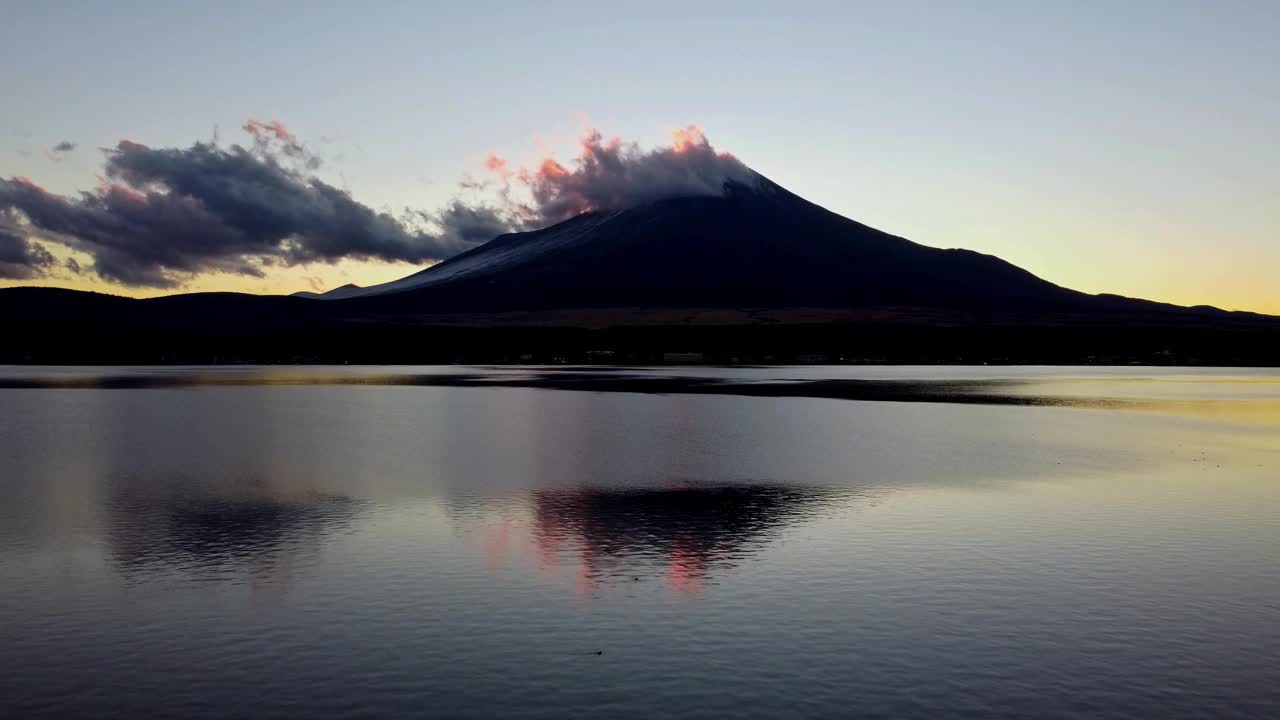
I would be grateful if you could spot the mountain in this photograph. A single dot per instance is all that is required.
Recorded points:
(756, 246)
(754, 273)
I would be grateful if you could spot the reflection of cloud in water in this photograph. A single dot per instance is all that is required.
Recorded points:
(180, 528)
(686, 535)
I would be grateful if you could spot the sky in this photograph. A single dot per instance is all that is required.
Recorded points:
(1109, 147)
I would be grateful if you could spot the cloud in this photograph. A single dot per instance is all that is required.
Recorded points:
(269, 137)
(614, 175)
(21, 258)
(161, 216)
(57, 152)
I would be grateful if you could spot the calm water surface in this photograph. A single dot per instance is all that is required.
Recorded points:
(679, 542)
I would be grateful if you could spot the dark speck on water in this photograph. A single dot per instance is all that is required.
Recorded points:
(885, 542)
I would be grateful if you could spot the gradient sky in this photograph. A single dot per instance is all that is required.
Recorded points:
(1127, 147)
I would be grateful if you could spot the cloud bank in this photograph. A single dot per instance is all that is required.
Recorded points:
(160, 216)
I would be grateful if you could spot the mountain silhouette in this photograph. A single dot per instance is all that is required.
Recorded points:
(754, 273)
(756, 246)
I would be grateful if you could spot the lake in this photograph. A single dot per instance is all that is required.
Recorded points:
(918, 542)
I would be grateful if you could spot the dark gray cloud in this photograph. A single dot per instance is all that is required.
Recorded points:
(164, 214)
(65, 146)
(21, 258)
(462, 226)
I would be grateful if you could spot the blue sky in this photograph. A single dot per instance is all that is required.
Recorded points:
(1127, 147)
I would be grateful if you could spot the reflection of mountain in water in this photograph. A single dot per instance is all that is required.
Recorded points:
(685, 534)
(180, 528)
